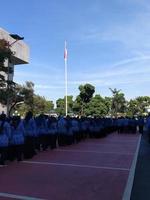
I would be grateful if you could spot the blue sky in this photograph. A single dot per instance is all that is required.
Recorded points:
(108, 44)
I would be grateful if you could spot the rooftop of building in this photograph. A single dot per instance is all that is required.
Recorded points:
(19, 47)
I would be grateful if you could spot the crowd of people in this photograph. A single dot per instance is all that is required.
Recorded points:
(23, 138)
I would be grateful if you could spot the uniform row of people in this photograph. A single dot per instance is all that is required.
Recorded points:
(23, 138)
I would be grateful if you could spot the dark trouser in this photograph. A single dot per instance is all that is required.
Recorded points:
(119, 129)
(44, 141)
(97, 134)
(148, 134)
(133, 129)
(69, 139)
(37, 143)
(18, 151)
(61, 140)
(141, 129)
(29, 147)
(3, 155)
(77, 137)
(52, 141)
(10, 153)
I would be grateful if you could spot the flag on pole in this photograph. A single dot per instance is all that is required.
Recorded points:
(65, 51)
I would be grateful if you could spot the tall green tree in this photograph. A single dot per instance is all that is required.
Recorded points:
(60, 105)
(5, 54)
(138, 106)
(77, 105)
(41, 105)
(25, 102)
(16, 97)
(6, 85)
(96, 107)
(86, 94)
(108, 103)
(28, 92)
(118, 105)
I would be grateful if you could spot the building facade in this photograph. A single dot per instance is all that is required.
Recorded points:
(20, 56)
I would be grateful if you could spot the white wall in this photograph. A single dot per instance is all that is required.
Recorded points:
(20, 49)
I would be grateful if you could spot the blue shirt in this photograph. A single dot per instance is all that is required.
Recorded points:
(4, 135)
(30, 127)
(17, 134)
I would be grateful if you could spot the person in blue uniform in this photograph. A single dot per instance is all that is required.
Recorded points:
(52, 132)
(62, 131)
(42, 131)
(148, 127)
(75, 129)
(17, 137)
(30, 135)
(141, 124)
(4, 139)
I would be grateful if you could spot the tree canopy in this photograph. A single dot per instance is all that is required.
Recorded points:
(118, 102)
(60, 105)
(84, 97)
(5, 53)
(96, 107)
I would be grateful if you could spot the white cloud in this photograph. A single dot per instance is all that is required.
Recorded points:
(134, 33)
(53, 87)
(132, 66)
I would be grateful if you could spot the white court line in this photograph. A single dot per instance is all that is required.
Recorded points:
(3, 165)
(111, 142)
(107, 144)
(129, 184)
(98, 152)
(74, 165)
(13, 196)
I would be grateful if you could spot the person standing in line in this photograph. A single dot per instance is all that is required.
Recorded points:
(62, 131)
(70, 132)
(30, 135)
(148, 127)
(42, 131)
(17, 137)
(52, 132)
(4, 139)
(141, 124)
(75, 129)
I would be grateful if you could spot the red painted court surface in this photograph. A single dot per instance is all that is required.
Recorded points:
(94, 169)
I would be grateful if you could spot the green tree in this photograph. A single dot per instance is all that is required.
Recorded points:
(18, 94)
(138, 106)
(77, 106)
(86, 94)
(108, 103)
(132, 108)
(16, 97)
(96, 107)
(5, 54)
(28, 92)
(25, 98)
(6, 85)
(118, 102)
(60, 105)
(41, 105)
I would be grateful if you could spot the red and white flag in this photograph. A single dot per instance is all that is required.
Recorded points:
(65, 51)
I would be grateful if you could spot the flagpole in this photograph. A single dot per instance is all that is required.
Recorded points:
(66, 84)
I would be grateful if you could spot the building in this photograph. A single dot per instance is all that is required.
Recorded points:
(20, 56)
